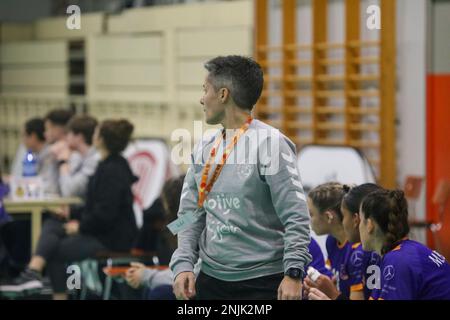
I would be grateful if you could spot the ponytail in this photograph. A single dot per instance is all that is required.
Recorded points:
(389, 209)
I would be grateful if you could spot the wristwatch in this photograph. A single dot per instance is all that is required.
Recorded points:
(295, 273)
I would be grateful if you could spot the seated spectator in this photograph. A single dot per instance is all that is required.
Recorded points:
(154, 222)
(55, 125)
(15, 234)
(73, 177)
(4, 190)
(34, 141)
(55, 134)
(159, 282)
(106, 223)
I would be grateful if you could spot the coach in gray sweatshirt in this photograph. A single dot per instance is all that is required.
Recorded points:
(251, 229)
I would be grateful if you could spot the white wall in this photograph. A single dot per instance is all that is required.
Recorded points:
(411, 97)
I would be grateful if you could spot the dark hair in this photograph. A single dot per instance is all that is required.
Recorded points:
(171, 194)
(241, 75)
(328, 196)
(354, 196)
(36, 126)
(116, 134)
(59, 117)
(84, 125)
(389, 209)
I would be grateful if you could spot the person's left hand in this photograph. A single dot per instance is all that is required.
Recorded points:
(290, 289)
(324, 284)
(72, 227)
(60, 150)
(63, 212)
(64, 153)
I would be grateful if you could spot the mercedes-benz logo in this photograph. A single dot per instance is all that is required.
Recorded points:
(374, 258)
(357, 258)
(388, 272)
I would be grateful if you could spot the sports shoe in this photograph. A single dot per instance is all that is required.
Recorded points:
(28, 281)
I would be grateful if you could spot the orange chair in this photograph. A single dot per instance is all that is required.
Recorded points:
(116, 272)
(413, 189)
(440, 198)
(120, 271)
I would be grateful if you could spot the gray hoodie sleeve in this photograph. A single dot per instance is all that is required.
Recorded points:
(186, 255)
(290, 204)
(74, 184)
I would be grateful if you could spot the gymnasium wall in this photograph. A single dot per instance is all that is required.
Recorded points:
(23, 10)
(144, 64)
(438, 113)
(411, 74)
(174, 41)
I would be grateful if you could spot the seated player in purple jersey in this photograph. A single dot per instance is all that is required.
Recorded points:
(408, 269)
(324, 204)
(360, 260)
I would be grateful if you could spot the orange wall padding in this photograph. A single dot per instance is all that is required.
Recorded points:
(438, 150)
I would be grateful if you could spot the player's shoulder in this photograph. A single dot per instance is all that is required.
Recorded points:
(357, 246)
(405, 255)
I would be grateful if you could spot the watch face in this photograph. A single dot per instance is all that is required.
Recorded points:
(294, 273)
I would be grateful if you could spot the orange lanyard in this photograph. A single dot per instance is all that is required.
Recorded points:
(205, 187)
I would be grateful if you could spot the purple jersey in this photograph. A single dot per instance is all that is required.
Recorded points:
(371, 258)
(412, 271)
(317, 261)
(347, 264)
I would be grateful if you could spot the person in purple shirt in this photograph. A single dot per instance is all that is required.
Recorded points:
(339, 260)
(318, 262)
(324, 203)
(408, 269)
(360, 259)
(4, 190)
(350, 261)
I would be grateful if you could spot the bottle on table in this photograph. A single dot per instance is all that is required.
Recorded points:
(29, 165)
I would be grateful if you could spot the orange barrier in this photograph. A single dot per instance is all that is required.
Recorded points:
(438, 154)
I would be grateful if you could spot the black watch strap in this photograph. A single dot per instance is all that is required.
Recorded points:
(295, 273)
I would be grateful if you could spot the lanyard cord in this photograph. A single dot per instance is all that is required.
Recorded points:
(205, 186)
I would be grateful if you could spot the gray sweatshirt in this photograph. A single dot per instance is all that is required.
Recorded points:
(255, 220)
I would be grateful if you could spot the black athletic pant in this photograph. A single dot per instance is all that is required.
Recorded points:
(263, 288)
(58, 250)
